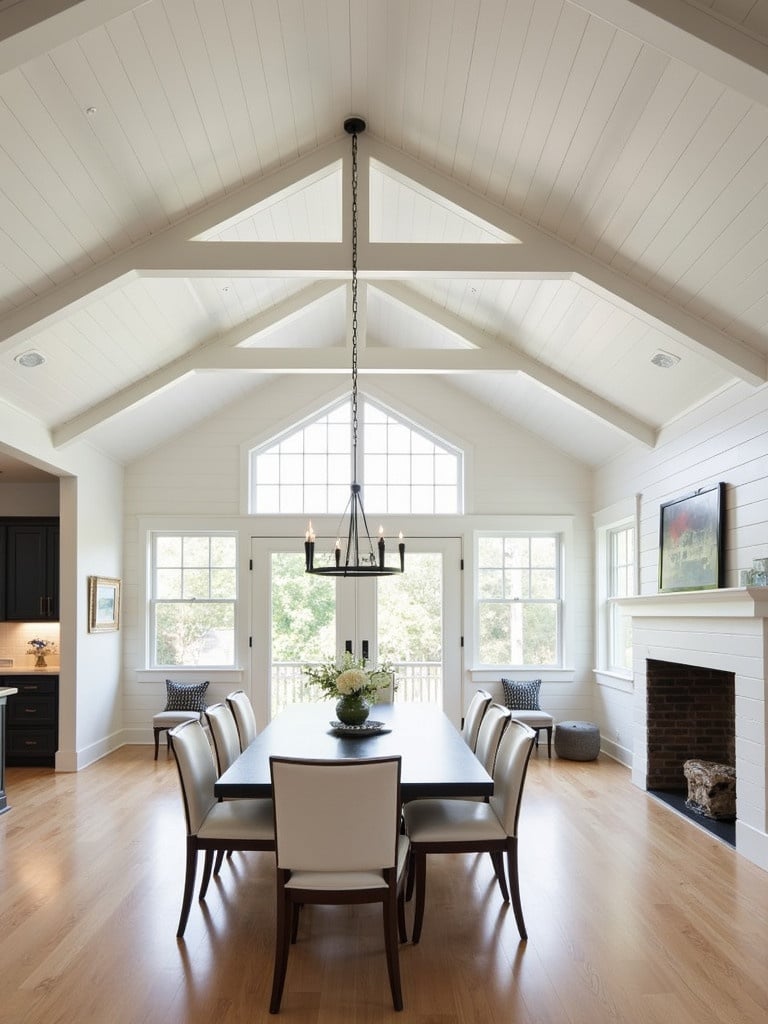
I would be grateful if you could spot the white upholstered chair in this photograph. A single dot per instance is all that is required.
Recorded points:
(489, 735)
(338, 840)
(465, 826)
(539, 721)
(223, 729)
(474, 716)
(245, 719)
(522, 699)
(164, 721)
(212, 825)
(226, 747)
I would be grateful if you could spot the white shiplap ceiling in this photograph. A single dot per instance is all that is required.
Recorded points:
(551, 192)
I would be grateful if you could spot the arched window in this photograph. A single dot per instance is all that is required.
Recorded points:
(402, 468)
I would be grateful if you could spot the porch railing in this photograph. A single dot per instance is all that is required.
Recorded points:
(420, 682)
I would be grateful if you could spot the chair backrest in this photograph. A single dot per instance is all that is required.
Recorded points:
(245, 719)
(197, 772)
(336, 815)
(386, 692)
(474, 716)
(509, 773)
(489, 734)
(226, 742)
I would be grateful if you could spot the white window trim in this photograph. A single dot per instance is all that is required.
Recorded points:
(530, 525)
(249, 449)
(623, 513)
(177, 525)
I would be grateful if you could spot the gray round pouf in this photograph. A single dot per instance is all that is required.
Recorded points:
(577, 741)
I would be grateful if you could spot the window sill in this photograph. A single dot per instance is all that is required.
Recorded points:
(155, 675)
(614, 681)
(548, 675)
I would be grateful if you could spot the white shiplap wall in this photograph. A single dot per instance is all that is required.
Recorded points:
(509, 472)
(726, 439)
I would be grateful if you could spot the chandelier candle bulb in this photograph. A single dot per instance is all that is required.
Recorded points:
(401, 549)
(381, 547)
(309, 547)
(337, 551)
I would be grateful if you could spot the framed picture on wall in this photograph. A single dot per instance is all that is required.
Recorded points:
(691, 541)
(103, 604)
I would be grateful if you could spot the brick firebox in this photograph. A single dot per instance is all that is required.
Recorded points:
(691, 713)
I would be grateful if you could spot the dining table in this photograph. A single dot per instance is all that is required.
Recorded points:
(436, 760)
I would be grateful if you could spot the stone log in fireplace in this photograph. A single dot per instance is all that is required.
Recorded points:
(722, 631)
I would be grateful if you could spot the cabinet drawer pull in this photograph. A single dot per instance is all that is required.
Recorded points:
(30, 743)
(30, 711)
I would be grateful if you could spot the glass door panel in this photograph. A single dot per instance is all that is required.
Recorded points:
(411, 621)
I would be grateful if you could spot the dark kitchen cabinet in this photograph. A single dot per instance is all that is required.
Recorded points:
(32, 722)
(31, 570)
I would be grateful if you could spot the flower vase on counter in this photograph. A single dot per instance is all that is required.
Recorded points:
(41, 648)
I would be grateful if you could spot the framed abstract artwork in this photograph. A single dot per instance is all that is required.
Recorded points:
(691, 541)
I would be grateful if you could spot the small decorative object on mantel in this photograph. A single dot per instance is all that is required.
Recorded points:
(691, 531)
(354, 686)
(40, 649)
(757, 576)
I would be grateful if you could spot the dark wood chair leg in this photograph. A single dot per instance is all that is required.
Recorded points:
(402, 930)
(207, 869)
(549, 742)
(514, 882)
(219, 861)
(497, 858)
(282, 948)
(189, 886)
(410, 877)
(392, 950)
(420, 872)
(157, 741)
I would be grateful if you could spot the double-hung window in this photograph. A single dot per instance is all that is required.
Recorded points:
(193, 596)
(616, 575)
(621, 583)
(519, 599)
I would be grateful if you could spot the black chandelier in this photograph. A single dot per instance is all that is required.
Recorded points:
(353, 563)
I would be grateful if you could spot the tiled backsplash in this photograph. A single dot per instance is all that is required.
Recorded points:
(14, 637)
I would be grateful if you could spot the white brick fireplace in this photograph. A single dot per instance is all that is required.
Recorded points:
(714, 629)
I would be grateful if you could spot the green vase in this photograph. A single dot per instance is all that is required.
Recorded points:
(352, 709)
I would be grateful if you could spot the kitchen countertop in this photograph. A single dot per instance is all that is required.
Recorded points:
(51, 670)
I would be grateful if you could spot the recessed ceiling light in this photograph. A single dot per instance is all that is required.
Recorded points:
(664, 359)
(90, 111)
(30, 358)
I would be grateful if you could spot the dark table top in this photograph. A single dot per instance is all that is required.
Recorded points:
(435, 759)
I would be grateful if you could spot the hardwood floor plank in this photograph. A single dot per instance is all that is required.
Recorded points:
(635, 916)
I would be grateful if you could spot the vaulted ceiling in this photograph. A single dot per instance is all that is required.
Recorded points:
(551, 194)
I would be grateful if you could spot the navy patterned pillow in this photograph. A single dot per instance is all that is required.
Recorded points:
(185, 696)
(522, 696)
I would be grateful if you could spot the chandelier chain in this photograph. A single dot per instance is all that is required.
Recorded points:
(354, 306)
(354, 563)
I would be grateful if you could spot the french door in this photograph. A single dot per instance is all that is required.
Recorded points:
(412, 621)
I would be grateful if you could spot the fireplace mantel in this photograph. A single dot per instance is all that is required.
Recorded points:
(723, 630)
(733, 603)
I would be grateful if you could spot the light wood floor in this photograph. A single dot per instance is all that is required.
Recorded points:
(634, 915)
